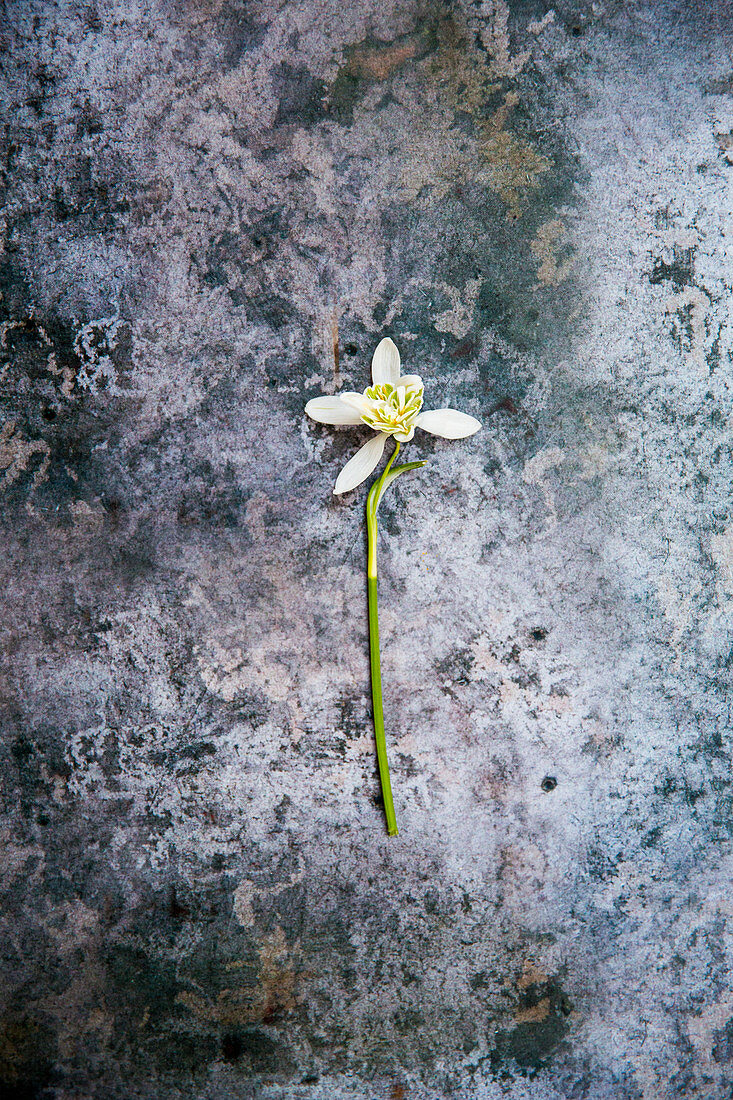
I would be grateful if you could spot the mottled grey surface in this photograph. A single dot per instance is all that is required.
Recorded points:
(201, 201)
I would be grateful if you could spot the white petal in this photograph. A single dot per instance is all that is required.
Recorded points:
(331, 410)
(385, 363)
(356, 401)
(361, 465)
(404, 437)
(448, 423)
(410, 381)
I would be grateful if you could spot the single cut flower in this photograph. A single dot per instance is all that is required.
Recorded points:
(391, 406)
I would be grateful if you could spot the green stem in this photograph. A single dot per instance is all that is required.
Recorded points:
(371, 517)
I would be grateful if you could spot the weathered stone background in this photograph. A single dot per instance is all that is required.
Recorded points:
(200, 198)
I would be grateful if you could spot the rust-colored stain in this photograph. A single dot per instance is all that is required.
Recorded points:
(271, 997)
(724, 140)
(443, 155)
(550, 272)
(379, 62)
(464, 350)
(534, 1014)
(531, 975)
(515, 167)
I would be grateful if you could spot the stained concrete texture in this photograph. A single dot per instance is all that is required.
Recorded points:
(212, 211)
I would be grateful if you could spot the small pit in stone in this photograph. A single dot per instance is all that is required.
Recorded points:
(548, 783)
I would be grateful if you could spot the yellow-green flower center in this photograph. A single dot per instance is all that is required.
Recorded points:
(393, 408)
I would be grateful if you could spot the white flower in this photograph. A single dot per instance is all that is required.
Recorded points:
(391, 405)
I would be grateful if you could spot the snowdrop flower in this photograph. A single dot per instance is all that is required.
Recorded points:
(391, 406)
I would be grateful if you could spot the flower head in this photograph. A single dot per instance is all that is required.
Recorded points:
(391, 406)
